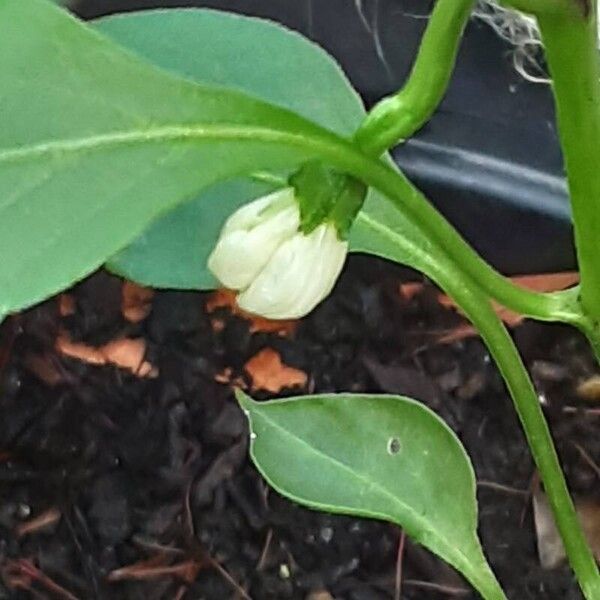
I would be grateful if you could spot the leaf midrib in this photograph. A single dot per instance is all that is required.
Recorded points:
(157, 134)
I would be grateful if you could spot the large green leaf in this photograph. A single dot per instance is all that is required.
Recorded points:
(285, 69)
(248, 54)
(384, 457)
(96, 143)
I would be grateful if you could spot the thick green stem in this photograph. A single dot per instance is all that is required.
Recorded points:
(572, 47)
(526, 402)
(447, 254)
(574, 62)
(397, 117)
(447, 270)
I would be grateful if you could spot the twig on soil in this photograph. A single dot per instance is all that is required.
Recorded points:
(21, 573)
(437, 587)
(202, 555)
(180, 593)
(399, 562)
(156, 547)
(187, 513)
(46, 519)
(76, 525)
(587, 458)
(153, 569)
(591, 412)
(499, 487)
(265, 551)
(225, 574)
(533, 487)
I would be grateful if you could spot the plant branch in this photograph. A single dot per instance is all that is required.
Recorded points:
(574, 64)
(527, 405)
(398, 117)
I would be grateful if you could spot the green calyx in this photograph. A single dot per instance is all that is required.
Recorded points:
(327, 196)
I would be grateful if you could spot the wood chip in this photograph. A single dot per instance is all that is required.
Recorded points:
(66, 305)
(320, 595)
(45, 520)
(136, 302)
(125, 353)
(223, 298)
(268, 373)
(544, 282)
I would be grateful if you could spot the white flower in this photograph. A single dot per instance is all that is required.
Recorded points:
(251, 235)
(280, 272)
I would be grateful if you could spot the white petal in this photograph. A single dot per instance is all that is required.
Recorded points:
(301, 273)
(249, 215)
(251, 236)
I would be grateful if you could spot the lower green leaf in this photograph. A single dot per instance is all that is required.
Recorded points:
(384, 457)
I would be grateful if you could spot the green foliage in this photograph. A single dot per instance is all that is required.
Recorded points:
(105, 156)
(95, 144)
(384, 457)
(220, 48)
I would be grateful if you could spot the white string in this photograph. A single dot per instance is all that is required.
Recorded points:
(522, 32)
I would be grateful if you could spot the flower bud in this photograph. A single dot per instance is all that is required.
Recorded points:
(281, 273)
(301, 273)
(251, 235)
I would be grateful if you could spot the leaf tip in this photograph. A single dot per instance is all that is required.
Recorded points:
(243, 400)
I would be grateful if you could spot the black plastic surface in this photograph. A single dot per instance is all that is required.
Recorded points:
(489, 159)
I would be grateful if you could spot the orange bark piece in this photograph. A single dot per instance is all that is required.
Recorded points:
(125, 353)
(227, 377)
(223, 298)
(136, 302)
(410, 289)
(129, 354)
(157, 567)
(544, 282)
(46, 519)
(66, 305)
(268, 373)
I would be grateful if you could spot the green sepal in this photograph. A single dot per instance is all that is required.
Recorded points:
(325, 195)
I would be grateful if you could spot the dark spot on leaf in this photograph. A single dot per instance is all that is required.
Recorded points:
(394, 446)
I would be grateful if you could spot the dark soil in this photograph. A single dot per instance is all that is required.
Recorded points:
(102, 469)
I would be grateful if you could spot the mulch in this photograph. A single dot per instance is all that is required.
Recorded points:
(117, 485)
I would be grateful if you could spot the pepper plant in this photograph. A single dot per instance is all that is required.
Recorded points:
(129, 142)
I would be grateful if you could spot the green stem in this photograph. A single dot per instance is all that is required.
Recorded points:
(538, 435)
(560, 306)
(478, 309)
(397, 117)
(401, 115)
(574, 62)
(445, 250)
